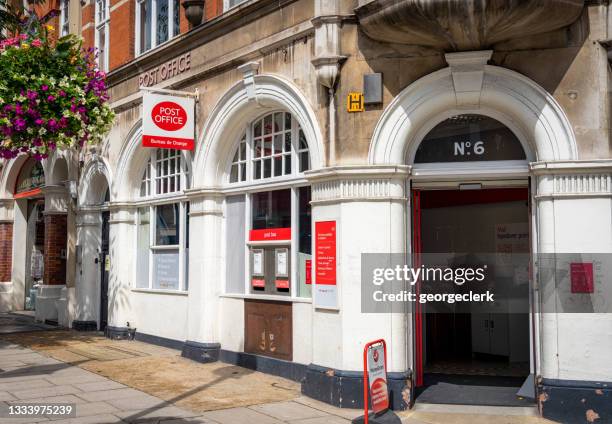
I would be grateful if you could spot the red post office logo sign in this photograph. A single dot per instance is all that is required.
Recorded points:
(168, 121)
(169, 116)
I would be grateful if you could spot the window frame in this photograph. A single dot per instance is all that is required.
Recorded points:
(98, 27)
(152, 200)
(64, 17)
(227, 7)
(172, 31)
(293, 181)
(294, 155)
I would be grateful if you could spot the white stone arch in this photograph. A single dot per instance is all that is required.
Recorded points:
(513, 99)
(10, 173)
(59, 167)
(243, 103)
(132, 161)
(95, 178)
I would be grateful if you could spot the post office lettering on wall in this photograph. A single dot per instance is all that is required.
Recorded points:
(172, 68)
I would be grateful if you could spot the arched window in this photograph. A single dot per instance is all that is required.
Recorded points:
(163, 173)
(272, 147)
(163, 223)
(268, 228)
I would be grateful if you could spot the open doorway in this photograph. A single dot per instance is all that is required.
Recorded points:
(470, 354)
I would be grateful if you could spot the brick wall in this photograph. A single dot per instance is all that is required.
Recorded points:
(87, 29)
(6, 250)
(212, 9)
(43, 9)
(56, 238)
(122, 34)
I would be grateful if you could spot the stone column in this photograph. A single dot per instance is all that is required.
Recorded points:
(370, 207)
(6, 255)
(206, 267)
(122, 271)
(54, 252)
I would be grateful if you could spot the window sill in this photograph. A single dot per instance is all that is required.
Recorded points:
(161, 291)
(267, 297)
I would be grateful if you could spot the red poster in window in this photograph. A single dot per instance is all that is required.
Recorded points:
(582, 277)
(308, 271)
(325, 252)
(258, 282)
(270, 234)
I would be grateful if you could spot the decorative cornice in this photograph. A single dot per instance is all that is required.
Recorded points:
(571, 166)
(358, 171)
(334, 19)
(358, 183)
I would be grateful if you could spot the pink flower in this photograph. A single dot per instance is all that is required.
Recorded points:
(36, 43)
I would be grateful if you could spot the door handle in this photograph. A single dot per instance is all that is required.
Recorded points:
(492, 324)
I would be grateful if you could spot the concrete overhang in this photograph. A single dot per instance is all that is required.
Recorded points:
(463, 25)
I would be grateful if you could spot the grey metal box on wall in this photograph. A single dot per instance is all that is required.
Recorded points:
(372, 88)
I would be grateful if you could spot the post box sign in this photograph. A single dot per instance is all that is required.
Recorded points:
(168, 121)
(325, 264)
(377, 378)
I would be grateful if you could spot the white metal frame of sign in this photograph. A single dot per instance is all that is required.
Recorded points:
(177, 131)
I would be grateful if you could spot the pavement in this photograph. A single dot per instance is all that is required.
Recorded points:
(133, 382)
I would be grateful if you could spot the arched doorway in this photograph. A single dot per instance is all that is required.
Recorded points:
(467, 217)
(469, 86)
(30, 200)
(92, 248)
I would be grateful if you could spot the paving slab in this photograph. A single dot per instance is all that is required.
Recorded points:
(112, 394)
(95, 386)
(328, 419)
(91, 419)
(84, 377)
(159, 414)
(190, 420)
(138, 402)
(47, 391)
(240, 416)
(52, 399)
(37, 383)
(345, 413)
(4, 396)
(286, 411)
(94, 408)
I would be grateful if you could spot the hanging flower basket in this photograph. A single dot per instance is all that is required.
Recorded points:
(52, 96)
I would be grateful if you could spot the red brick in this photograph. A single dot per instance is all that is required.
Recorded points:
(6, 250)
(122, 34)
(56, 238)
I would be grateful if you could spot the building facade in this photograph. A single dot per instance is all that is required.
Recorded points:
(213, 250)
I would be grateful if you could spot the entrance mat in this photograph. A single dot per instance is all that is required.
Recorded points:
(472, 390)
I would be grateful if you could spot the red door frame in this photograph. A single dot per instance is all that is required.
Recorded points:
(418, 308)
(476, 196)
